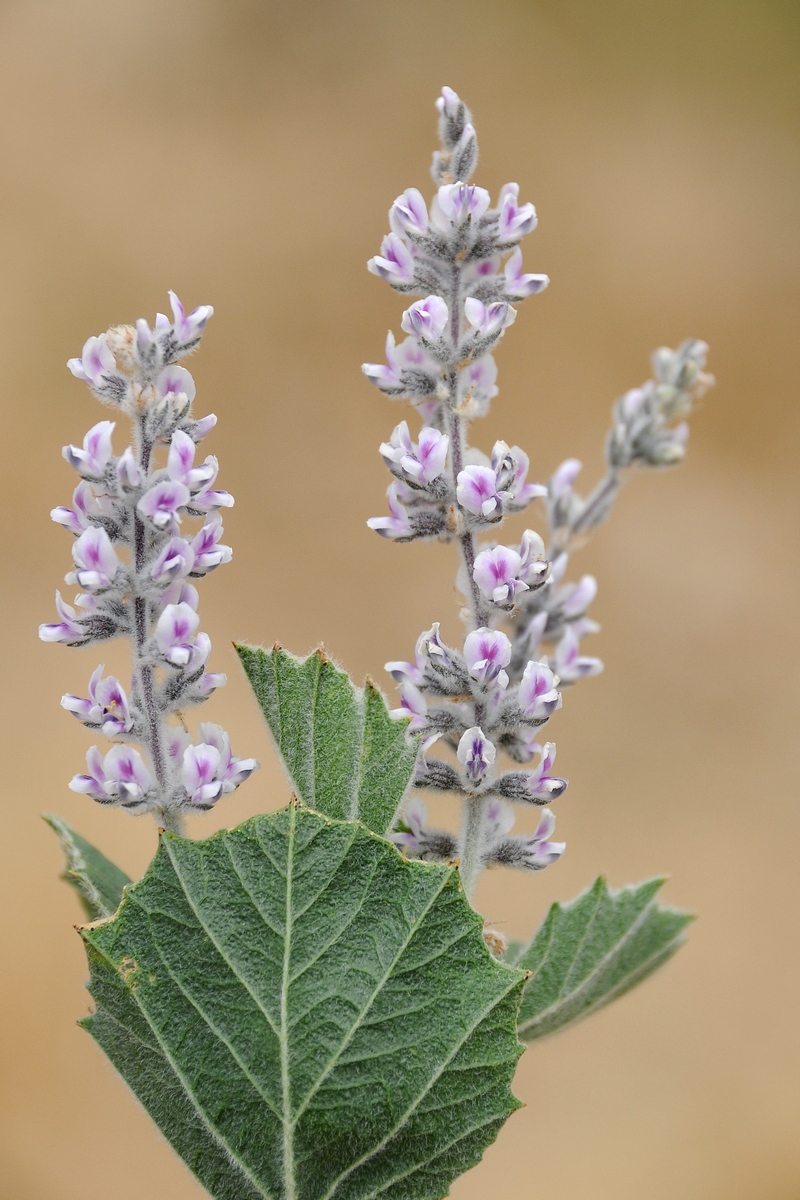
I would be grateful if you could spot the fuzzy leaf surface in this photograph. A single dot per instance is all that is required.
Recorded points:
(345, 755)
(305, 1014)
(97, 881)
(592, 950)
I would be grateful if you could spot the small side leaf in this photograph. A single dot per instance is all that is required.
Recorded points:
(345, 755)
(97, 881)
(592, 950)
(306, 1014)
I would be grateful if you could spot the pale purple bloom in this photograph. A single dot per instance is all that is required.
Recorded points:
(569, 663)
(539, 783)
(476, 754)
(533, 566)
(498, 820)
(537, 694)
(188, 328)
(519, 285)
(128, 474)
(534, 631)
(516, 220)
(421, 463)
(456, 203)
(412, 705)
(415, 819)
(180, 462)
(426, 319)
(120, 776)
(96, 362)
(487, 652)
(497, 573)
(210, 681)
(209, 498)
(476, 385)
(563, 480)
(489, 320)
(96, 454)
(177, 638)
(477, 492)
(448, 103)
(395, 263)
(203, 427)
(162, 503)
(95, 559)
(206, 547)
(531, 853)
(68, 629)
(175, 560)
(429, 649)
(175, 382)
(232, 770)
(388, 375)
(209, 770)
(106, 706)
(88, 509)
(397, 524)
(578, 597)
(511, 468)
(409, 213)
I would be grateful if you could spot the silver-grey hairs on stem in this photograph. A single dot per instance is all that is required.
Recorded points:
(137, 566)
(524, 620)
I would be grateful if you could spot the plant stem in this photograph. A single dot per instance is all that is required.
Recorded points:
(470, 865)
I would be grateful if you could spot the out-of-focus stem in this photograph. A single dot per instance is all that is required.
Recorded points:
(470, 865)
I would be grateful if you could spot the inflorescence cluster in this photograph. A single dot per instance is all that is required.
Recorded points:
(497, 692)
(135, 563)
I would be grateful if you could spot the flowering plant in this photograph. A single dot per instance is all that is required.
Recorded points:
(309, 1006)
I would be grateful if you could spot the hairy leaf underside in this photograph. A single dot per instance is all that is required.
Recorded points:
(306, 1015)
(592, 950)
(97, 881)
(346, 757)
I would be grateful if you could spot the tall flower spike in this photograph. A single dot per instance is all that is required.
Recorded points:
(464, 255)
(132, 567)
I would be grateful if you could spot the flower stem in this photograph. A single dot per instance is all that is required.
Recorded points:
(470, 865)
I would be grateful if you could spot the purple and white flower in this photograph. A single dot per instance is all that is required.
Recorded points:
(177, 638)
(188, 328)
(95, 559)
(209, 770)
(420, 463)
(175, 387)
(180, 462)
(477, 492)
(541, 786)
(537, 694)
(162, 504)
(119, 778)
(106, 707)
(208, 497)
(69, 629)
(518, 285)
(498, 573)
(477, 754)
(88, 510)
(397, 524)
(489, 320)
(92, 460)
(531, 853)
(395, 263)
(569, 663)
(456, 203)
(409, 214)
(96, 364)
(175, 560)
(488, 653)
(516, 220)
(208, 552)
(426, 319)
(511, 465)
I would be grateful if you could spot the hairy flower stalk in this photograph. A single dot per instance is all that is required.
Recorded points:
(134, 560)
(494, 694)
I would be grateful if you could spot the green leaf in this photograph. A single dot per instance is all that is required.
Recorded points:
(346, 757)
(97, 881)
(306, 1014)
(592, 950)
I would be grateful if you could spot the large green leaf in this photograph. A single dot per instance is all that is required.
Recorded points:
(346, 757)
(306, 1014)
(97, 881)
(592, 950)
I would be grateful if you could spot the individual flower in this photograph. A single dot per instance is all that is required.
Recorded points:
(177, 638)
(175, 560)
(497, 573)
(531, 853)
(188, 328)
(95, 559)
(426, 319)
(397, 524)
(413, 706)
(510, 466)
(209, 770)
(69, 629)
(487, 653)
(476, 754)
(516, 220)
(92, 460)
(208, 497)
(537, 694)
(413, 836)
(489, 320)
(106, 706)
(206, 548)
(175, 386)
(162, 503)
(88, 509)
(517, 284)
(421, 463)
(477, 492)
(128, 474)
(477, 386)
(180, 461)
(409, 213)
(96, 365)
(121, 777)
(456, 203)
(498, 819)
(395, 263)
(540, 785)
(568, 661)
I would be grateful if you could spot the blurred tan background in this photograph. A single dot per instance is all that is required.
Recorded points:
(245, 154)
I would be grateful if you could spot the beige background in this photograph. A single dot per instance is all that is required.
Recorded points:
(245, 153)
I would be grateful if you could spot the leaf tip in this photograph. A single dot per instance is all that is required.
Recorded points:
(322, 654)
